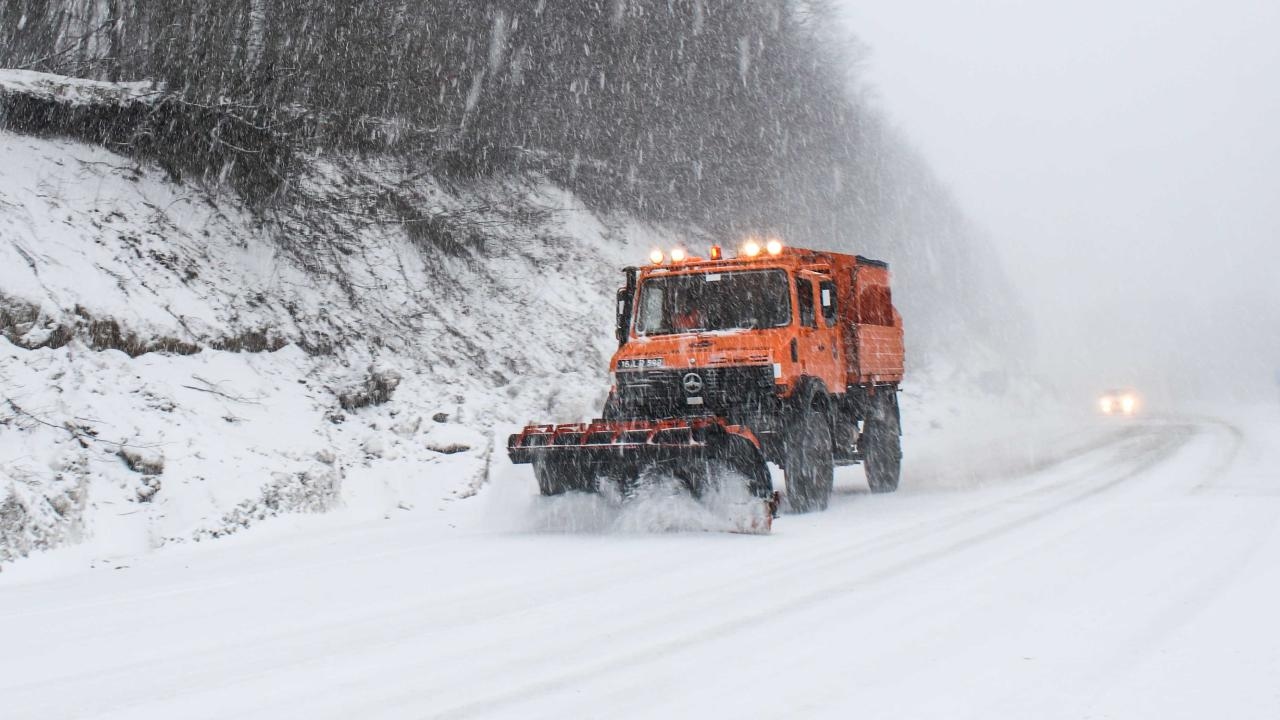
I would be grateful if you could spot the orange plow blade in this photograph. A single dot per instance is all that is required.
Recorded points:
(704, 454)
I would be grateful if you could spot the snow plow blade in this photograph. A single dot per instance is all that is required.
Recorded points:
(698, 451)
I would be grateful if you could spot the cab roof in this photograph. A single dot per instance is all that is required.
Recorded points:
(790, 258)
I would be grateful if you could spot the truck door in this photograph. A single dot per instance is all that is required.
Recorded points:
(819, 346)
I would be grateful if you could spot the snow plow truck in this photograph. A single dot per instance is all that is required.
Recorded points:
(778, 354)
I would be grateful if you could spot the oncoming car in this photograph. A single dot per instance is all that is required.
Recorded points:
(1119, 402)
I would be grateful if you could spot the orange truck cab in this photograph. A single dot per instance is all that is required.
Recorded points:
(760, 339)
(779, 354)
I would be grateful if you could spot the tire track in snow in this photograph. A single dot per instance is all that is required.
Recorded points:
(1159, 447)
(931, 526)
(381, 629)
(1215, 474)
(918, 532)
(756, 576)
(838, 554)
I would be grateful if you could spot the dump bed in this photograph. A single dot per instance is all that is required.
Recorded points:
(870, 327)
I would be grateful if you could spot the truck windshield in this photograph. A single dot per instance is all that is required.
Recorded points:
(714, 301)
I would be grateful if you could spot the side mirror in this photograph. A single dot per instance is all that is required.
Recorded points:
(624, 316)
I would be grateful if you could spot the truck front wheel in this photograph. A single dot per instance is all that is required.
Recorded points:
(559, 476)
(809, 467)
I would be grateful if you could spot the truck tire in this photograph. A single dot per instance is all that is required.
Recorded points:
(809, 466)
(557, 477)
(882, 444)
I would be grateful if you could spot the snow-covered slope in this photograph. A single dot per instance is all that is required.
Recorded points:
(170, 370)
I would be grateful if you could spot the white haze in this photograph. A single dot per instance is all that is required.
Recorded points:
(1125, 159)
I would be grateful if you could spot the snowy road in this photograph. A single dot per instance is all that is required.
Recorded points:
(1137, 576)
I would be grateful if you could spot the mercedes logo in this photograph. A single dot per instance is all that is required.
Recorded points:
(692, 383)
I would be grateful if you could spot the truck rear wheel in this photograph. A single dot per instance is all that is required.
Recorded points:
(809, 466)
(882, 444)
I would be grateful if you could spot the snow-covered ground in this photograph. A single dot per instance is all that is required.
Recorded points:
(1135, 577)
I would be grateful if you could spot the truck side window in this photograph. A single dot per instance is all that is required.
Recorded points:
(804, 291)
(827, 292)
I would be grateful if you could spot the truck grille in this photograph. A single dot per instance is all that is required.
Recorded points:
(662, 393)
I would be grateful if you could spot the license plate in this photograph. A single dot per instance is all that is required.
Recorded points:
(640, 364)
(693, 401)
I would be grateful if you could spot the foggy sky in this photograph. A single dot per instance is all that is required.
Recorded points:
(1124, 156)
